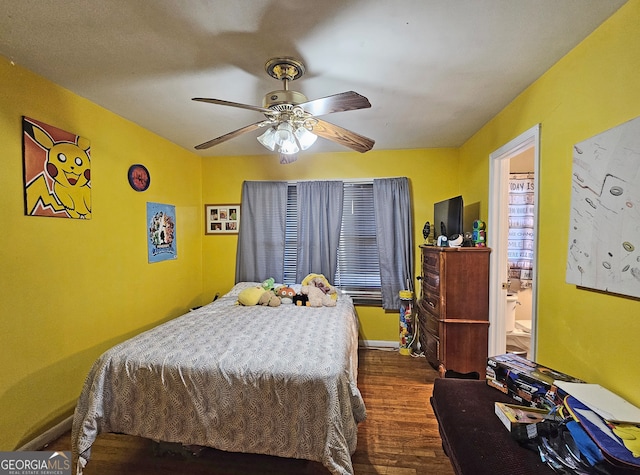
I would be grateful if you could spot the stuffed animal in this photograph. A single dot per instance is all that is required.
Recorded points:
(321, 282)
(258, 296)
(270, 299)
(316, 278)
(268, 284)
(301, 300)
(317, 298)
(286, 294)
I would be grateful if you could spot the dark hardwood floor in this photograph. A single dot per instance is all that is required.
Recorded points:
(399, 437)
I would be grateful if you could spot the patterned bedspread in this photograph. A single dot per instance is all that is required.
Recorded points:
(271, 380)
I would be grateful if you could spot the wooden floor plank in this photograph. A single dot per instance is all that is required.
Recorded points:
(399, 437)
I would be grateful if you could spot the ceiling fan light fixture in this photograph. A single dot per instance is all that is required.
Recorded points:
(289, 148)
(284, 134)
(268, 139)
(285, 139)
(305, 137)
(281, 139)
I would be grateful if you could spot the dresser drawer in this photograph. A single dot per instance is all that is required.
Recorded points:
(433, 326)
(431, 262)
(430, 302)
(428, 321)
(431, 284)
(432, 350)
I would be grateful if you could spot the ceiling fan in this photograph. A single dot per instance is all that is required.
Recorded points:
(291, 120)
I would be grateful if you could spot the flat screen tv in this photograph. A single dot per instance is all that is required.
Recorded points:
(447, 217)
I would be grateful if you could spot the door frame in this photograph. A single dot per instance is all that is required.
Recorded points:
(498, 234)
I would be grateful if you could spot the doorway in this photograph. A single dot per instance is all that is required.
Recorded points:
(500, 167)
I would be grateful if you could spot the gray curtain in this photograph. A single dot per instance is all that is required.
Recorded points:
(319, 222)
(392, 204)
(260, 253)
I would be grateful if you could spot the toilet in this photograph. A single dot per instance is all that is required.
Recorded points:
(518, 331)
(523, 325)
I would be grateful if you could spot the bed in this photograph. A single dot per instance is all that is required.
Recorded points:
(269, 380)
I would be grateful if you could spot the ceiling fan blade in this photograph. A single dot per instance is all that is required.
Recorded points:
(345, 137)
(232, 104)
(345, 101)
(231, 135)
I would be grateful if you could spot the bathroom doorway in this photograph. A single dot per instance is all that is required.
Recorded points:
(520, 156)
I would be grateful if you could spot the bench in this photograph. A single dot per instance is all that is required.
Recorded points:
(473, 437)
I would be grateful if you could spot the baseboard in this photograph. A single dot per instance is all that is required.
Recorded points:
(382, 344)
(48, 436)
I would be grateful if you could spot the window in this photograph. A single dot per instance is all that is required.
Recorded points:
(358, 271)
(344, 246)
(291, 235)
(358, 264)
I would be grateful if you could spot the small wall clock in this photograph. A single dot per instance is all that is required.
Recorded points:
(139, 177)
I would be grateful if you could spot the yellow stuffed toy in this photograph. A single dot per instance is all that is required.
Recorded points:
(258, 296)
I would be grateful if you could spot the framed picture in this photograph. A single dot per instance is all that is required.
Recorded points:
(221, 219)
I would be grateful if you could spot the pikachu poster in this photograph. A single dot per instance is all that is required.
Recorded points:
(57, 172)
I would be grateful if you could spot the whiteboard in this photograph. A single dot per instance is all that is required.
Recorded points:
(604, 227)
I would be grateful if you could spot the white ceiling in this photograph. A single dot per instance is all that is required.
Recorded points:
(434, 71)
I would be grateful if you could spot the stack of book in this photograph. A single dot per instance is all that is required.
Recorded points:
(528, 383)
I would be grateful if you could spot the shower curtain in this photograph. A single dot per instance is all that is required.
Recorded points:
(521, 232)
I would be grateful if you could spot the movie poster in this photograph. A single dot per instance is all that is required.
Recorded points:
(161, 232)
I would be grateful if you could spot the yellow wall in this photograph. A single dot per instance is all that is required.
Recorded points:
(51, 329)
(433, 177)
(70, 288)
(595, 87)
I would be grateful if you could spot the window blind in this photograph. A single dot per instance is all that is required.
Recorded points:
(291, 236)
(358, 270)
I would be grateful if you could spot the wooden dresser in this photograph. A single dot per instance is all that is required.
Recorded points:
(453, 309)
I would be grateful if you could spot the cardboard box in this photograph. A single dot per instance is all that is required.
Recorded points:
(527, 382)
(524, 422)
